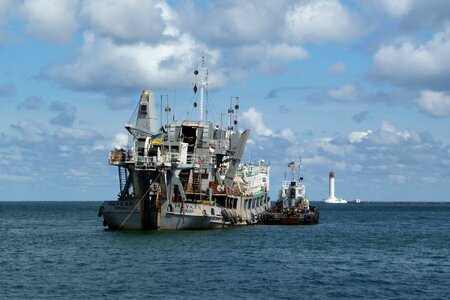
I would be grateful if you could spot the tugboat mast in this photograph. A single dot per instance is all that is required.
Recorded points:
(294, 167)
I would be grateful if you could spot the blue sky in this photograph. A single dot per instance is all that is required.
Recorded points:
(358, 87)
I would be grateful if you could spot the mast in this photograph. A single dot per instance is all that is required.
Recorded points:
(295, 167)
(203, 84)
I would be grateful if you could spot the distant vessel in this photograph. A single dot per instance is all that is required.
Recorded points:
(292, 207)
(186, 174)
(357, 201)
(331, 198)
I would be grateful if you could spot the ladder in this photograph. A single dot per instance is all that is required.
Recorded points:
(123, 176)
(196, 182)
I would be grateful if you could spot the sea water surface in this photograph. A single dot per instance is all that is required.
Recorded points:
(59, 250)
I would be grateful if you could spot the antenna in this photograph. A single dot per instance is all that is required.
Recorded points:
(236, 107)
(232, 112)
(203, 83)
(202, 86)
(161, 112)
(299, 166)
(174, 99)
(295, 168)
(167, 110)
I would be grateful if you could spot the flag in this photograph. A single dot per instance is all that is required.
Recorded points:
(157, 139)
(291, 164)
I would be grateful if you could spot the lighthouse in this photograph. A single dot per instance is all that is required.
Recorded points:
(331, 197)
(331, 193)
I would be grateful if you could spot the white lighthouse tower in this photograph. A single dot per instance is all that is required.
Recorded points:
(331, 198)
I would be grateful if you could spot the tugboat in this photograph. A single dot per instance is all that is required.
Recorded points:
(292, 207)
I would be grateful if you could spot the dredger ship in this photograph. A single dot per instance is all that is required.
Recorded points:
(185, 174)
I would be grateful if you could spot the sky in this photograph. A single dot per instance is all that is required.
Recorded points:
(358, 87)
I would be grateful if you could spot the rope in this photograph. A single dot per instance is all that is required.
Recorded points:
(126, 219)
(184, 110)
(182, 212)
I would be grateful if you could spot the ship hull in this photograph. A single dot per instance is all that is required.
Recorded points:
(298, 218)
(127, 215)
(172, 221)
(186, 216)
(123, 215)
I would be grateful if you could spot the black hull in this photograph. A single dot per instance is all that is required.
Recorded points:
(291, 218)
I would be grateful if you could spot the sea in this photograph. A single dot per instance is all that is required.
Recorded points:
(379, 250)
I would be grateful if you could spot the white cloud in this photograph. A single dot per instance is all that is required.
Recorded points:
(120, 140)
(345, 93)
(130, 21)
(341, 166)
(119, 102)
(169, 17)
(31, 103)
(327, 145)
(398, 178)
(16, 178)
(74, 173)
(359, 136)
(384, 150)
(32, 132)
(316, 160)
(251, 34)
(235, 23)
(92, 148)
(437, 104)
(288, 134)
(4, 5)
(66, 114)
(103, 65)
(53, 20)
(285, 52)
(64, 148)
(338, 68)
(321, 21)
(251, 142)
(423, 15)
(396, 8)
(268, 58)
(76, 133)
(356, 167)
(405, 56)
(388, 135)
(5, 9)
(255, 120)
(424, 64)
(387, 127)
(11, 157)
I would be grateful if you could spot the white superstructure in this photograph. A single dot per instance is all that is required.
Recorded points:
(292, 195)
